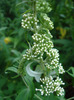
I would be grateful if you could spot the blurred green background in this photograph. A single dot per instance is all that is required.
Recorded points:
(13, 43)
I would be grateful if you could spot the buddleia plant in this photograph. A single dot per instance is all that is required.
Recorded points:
(42, 52)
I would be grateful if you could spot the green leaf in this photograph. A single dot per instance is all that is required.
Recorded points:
(51, 97)
(2, 82)
(17, 53)
(61, 98)
(23, 95)
(36, 74)
(1, 98)
(13, 69)
(21, 3)
(16, 59)
(30, 85)
(1, 95)
(62, 41)
(27, 11)
(3, 28)
(71, 69)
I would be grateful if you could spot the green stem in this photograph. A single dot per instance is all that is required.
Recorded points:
(24, 81)
(21, 72)
(21, 66)
(34, 12)
(38, 97)
(70, 98)
(34, 7)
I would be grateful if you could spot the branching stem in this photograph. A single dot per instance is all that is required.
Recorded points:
(38, 97)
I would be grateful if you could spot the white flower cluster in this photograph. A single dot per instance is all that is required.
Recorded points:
(51, 86)
(42, 49)
(61, 70)
(47, 23)
(42, 44)
(43, 6)
(29, 21)
(53, 59)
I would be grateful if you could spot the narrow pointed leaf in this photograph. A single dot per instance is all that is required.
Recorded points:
(13, 69)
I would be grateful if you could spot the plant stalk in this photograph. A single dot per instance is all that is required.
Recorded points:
(70, 98)
(38, 97)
